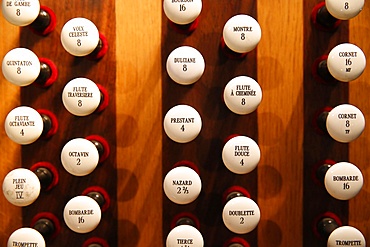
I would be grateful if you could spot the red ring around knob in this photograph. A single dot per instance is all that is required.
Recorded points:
(54, 122)
(318, 25)
(103, 104)
(54, 73)
(185, 215)
(236, 240)
(235, 188)
(49, 216)
(51, 168)
(104, 143)
(103, 192)
(95, 240)
(52, 24)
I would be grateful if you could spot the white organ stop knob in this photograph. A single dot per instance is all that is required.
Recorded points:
(182, 185)
(182, 123)
(21, 13)
(346, 62)
(343, 180)
(242, 95)
(21, 187)
(345, 123)
(184, 235)
(185, 65)
(182, 13)
(346, 236)
(82, 214)
(81, 96)
(26, 237)
(241, 215)
(241, 154)
(80, 37)
(242, 33)
(344, 9)
(79, 157)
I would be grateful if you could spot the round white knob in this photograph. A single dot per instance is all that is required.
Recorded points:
(343, 181)
(21, 13)
(346, 236)
(182, 13)
(345, 123)
(21, 66)
(184, 235)
(26, 237)
(21, 187)
(182, 123)
(79, 37)
(182, 185)
(242, 33)
(346, 62)
(241, 154)
(241, 215)
(242, 95)
(344, 9)
(81, 96)
(82, 214)
(79, 157)
(24, 125)
(185, 65)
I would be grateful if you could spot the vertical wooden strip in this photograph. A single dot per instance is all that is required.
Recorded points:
(280, 122)
(10, 216)
(139, 123)
(359, 214)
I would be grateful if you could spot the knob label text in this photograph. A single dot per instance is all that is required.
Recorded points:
(348, 242)
(78, 32)
(18, 3)
(81, 212)
(346, 178)
(24, 244)
(21, 121)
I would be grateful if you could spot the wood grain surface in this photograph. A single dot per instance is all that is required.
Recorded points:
(282, 60)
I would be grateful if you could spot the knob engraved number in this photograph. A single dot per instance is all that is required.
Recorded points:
(182, 7)
(242, 36)
(81, 220)
(22, 132)
(79, 103)
(185, 68)
(346, 5)
(243, 101)
(183, 128)
(242, 162)
(19, 70)
(78, 162)
(346, 186)
(18, 12)
(348, 124)
(79, 42)
(241, 221)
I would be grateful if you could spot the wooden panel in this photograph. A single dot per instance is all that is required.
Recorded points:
(218, 122)
(280, 122)
(359, 214)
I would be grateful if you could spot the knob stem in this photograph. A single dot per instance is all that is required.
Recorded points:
(325, 18)
(42, 21)
(45, 175)
(45, 227)
(185, 221)
(99, 198)
(326, 226)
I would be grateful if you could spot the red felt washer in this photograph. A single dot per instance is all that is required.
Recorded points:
(315, 74)
(315, 118)
(320, 217)
(104, 143)
(316, 167)
(185, 215)
(230, 53)
(54, 122)
(187, 163)
(103, 104)
(230, 137)
(51, 168)
(49, 216)
(103, 192)
(103, 50)
(187, 28)
(235, 189)
(318, 25)
(236, 240)
(54, 73)
(95, 240)
(52, 24)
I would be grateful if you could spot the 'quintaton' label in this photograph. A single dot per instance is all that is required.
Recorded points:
(242, 95)
(182, 185)
(79, 36)
(23, 125)
(20, 12)
(345, 123)
(343, 181)
(182, 123)
(185, 65)
(21, 66)
(346, 236)
(242, 33)
(26, 237)
(82, 214)
(346, 62)
(21, 187)
(241, 215)
(81, 96)
(241, 154)
(184, 235)
(182, 12)
(79, 157)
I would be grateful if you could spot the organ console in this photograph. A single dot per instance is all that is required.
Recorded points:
(180, 78)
